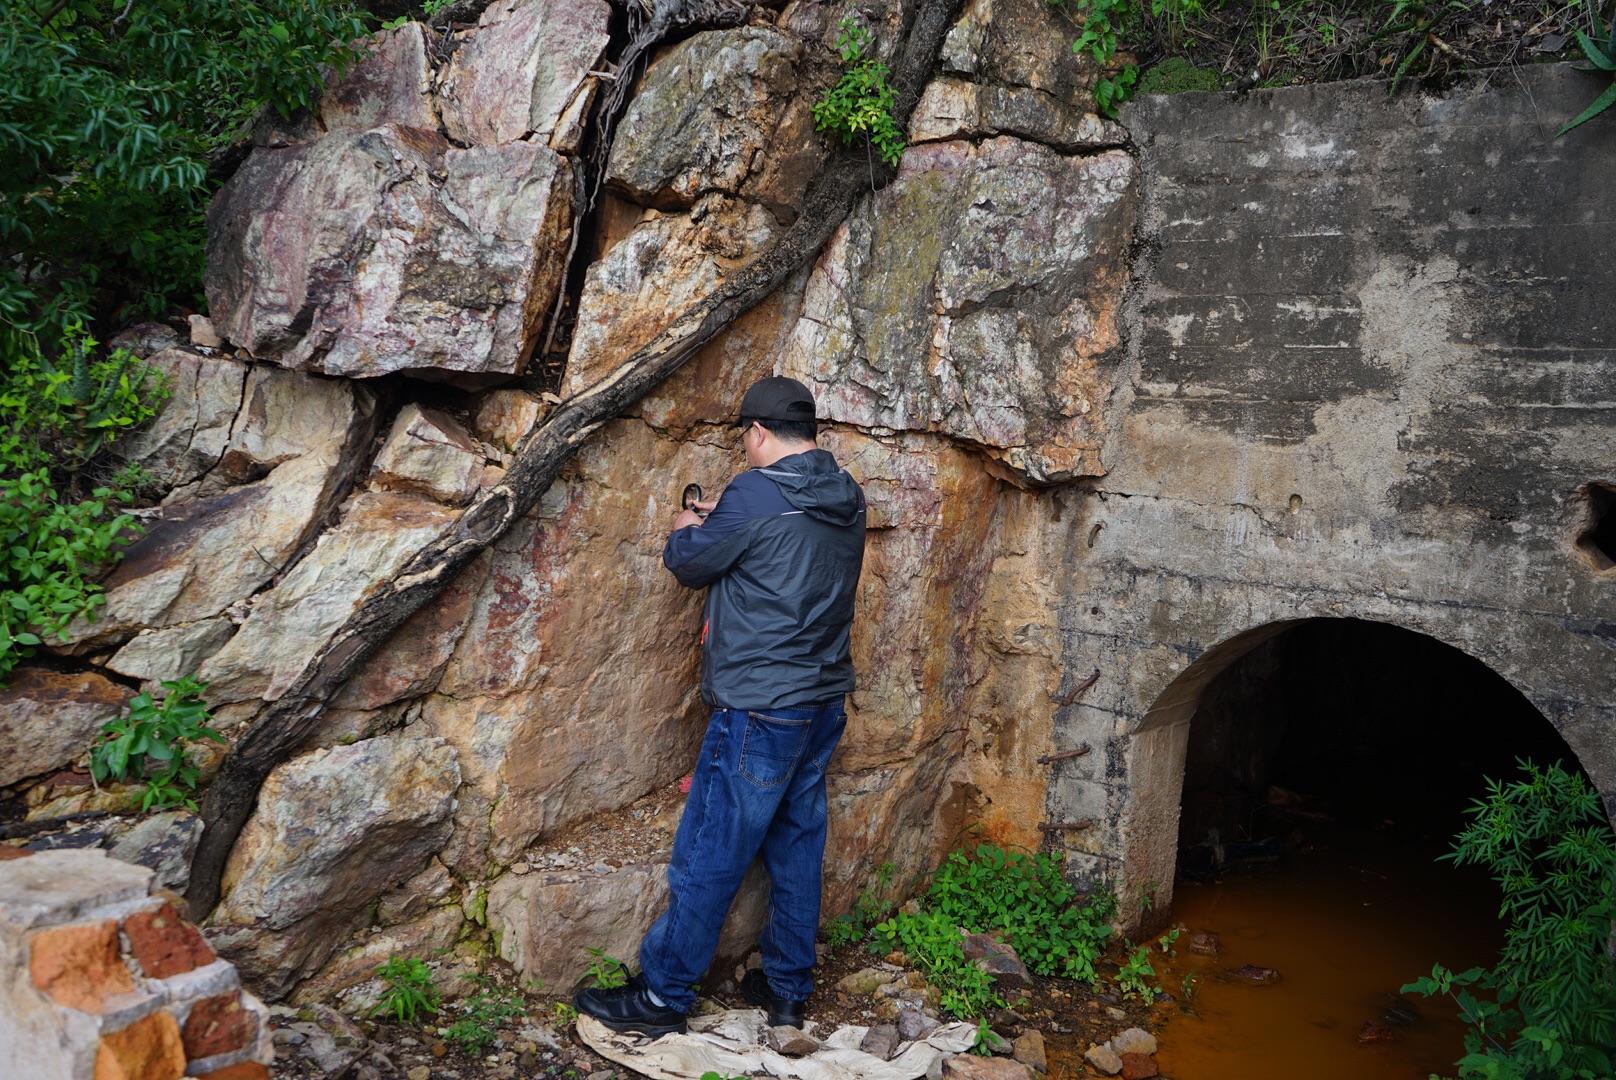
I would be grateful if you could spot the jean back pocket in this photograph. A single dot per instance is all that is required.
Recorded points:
(772, 747)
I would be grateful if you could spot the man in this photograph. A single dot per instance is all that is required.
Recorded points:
(780, 555)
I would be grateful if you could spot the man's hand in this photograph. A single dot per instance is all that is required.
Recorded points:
(687, 518)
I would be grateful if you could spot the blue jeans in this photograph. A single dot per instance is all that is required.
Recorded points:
(759, 787)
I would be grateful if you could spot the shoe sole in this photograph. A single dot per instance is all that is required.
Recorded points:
(636, 1028)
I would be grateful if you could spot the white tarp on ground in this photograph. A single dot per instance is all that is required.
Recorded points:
(731, 1044)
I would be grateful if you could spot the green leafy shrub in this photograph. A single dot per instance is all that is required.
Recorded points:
(55, 537)
(1053, 928)
(1551, 1006)
(861, 102)
(933, 943)
(150, 744)
(109, 117)
(409, 989)
(482, 1013)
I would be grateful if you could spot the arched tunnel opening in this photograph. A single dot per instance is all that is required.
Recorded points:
(1327, 771)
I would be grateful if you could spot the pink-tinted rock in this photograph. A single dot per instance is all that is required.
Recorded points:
(392, 85)
(429, 453)
(366, 252)
(517, 73)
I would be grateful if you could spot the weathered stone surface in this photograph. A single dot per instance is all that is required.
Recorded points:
(60, 886)
(78, 965)
(1103, 1059)
(547, 920)
(649, 278)
(865, 981)
(789, 1041)
(504, 416)
(295, 619)
(156, 656)
(48, 718)
(332, 830)
(191, 430)
(216, 543)
(391, 85)
(1019, 43)
(880, 1041)
(430, 454)
(1134, 1041)
(163, 842)
(706, 116)
(1028, 1048)
(1018, 345)
(350, 977)
(914, 1024)
(144, 1050)
(972, 1067)
(384, 250)
(997, 958)
(518, 71)
(958, 109)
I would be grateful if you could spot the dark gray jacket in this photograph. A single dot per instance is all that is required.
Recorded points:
(780, 555)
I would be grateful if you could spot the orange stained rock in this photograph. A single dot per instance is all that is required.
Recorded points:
(148, 1049)
(166, 944)
(218, 1025)
(247, 1070)
(78, 966)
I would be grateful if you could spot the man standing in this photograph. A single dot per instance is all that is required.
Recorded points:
(780, 555)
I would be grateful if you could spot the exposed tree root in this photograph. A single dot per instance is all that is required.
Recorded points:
(288, 721)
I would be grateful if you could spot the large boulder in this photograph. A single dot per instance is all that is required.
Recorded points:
(1025, 43)
(48, 718)
(516, 75)
(191, 430)
(391, 84)
(719, 108)
(367, 252)
(665, 265)
(332, 831)
(1003, 329)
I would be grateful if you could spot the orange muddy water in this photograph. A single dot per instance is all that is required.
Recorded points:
(1353, 915)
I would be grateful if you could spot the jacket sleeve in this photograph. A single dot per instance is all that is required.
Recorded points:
(699, 555)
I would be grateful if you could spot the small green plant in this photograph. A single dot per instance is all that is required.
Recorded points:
(861, 102)
(982, 1042)
(1054, 929)
(1135, 975)
(482, 1013)
(933, 943)
(150, 744)
(871, 905)
(1603, 58)
(608, 972)
(720, 1076)
(565, 1012)
(1104, 22)
(409, 989)
(1550, 1009)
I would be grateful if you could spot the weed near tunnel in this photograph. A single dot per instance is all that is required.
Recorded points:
(1548, 1007)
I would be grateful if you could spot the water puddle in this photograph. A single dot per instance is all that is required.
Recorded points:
(1346, 920)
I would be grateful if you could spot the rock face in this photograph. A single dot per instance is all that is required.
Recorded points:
(48, 719)
(389, 249)
(369, 242)
(332, 830)
(1018, 346)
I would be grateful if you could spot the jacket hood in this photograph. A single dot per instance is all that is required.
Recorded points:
(816, 485)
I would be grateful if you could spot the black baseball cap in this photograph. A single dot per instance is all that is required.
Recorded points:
(776, 398)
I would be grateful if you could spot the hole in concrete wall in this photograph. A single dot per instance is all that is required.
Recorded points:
(1598, 537)
(1327, 770)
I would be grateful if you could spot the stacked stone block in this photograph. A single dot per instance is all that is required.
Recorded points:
(101, 980)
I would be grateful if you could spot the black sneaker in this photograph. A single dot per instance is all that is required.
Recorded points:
(629, 1008)
(782, 1011)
